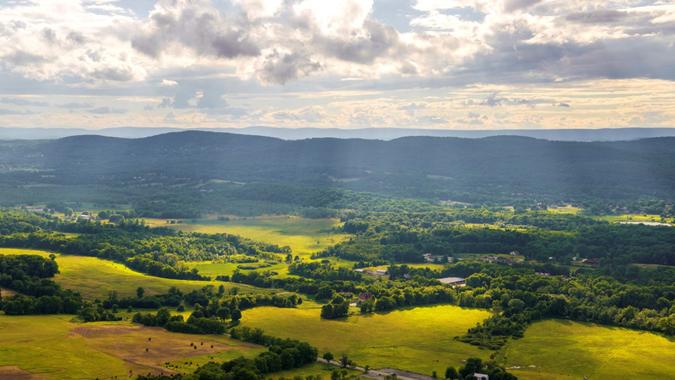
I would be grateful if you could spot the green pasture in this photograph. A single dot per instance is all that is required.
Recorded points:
(420, 339)
(636, 218)
(304, 236)
(95, 278)
(559, 349)
(55, 347)
(567, 209)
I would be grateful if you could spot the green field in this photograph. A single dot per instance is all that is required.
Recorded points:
(304, 236)
(567, 209)
(636, 218)
(420, 339)
(54, 347)
(95, 278)
(217, 268)
(558, 349)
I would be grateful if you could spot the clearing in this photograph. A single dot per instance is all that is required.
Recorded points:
(304, 236)
(95, 278)
(560, 349)
(52, 346)
(420, 339)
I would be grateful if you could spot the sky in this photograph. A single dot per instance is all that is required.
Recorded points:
(446, 64)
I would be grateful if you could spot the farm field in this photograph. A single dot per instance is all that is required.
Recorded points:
(636, 218)
(559, 349)
(304, 236)
(95, 278)
(216, 268)
(52, 347)
(419, 339)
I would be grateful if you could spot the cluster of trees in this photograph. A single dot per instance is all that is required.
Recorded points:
(176, 323)
(207, 301)
(324, 270)
(281, 355)
(337, 308)
(94, 312)
(519, 297)
(320, 289)
(476, 365)
(405, 237)
(30, 276)
(153, 251)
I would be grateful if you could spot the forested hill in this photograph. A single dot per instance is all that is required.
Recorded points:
(434, 167)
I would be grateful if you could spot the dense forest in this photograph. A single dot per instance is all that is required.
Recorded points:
(254, 174)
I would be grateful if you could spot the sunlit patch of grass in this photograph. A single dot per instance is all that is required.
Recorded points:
(304, 236)
(420, 339)
(55, 347)
(636, 218)
(558, 349)
(96, 278)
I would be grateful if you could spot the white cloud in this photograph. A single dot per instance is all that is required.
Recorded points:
(195, 54)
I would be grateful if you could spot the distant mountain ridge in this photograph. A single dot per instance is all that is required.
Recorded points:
(427, 167)
(607, 134)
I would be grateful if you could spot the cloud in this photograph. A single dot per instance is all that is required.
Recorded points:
(196, 26)
(516, 5)
(76, 105)
(168, 83)
(4, 111)
(23, 102)
(280, 68)
(215, 61)
(106, 110)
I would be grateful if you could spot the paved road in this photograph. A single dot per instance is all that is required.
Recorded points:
(380, 374)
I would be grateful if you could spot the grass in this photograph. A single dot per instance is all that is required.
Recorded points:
(304, 236)
(54, 347)
(95, 278)
(635, 218)
(557, 349)
(419, 339)
(567, 209)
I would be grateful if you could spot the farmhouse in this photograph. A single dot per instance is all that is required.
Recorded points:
(454, 281)
(84, 216)
(481, 376)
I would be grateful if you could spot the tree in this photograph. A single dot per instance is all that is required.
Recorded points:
(235, 315)
(328, 356)
(344, 361)
(451, 373)
(140, 292)
(472, 366)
